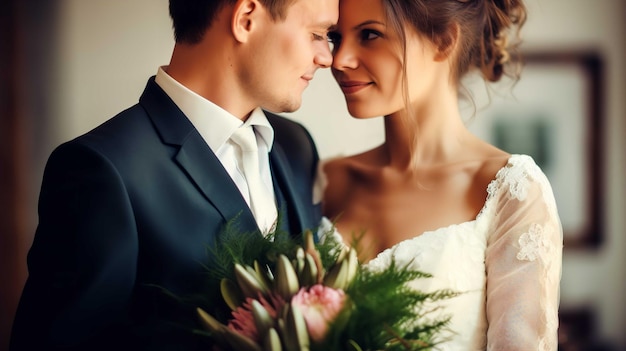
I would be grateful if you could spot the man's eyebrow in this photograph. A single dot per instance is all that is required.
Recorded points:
(328, 26)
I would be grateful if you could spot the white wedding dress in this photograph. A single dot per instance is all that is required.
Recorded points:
(506, 262)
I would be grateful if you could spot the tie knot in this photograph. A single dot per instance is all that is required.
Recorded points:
(245, 138)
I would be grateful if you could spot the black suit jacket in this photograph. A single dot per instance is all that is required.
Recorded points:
(135, 202)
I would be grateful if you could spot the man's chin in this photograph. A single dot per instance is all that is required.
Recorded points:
(284, 107)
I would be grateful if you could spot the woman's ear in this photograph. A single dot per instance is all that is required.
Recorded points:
(244, 17)
(446, 43)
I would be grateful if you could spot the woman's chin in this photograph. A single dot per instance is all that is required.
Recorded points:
(361, 112)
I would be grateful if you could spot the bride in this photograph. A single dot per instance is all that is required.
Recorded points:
(480, 220)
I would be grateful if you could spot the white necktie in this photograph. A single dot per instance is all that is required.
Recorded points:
(261, 200)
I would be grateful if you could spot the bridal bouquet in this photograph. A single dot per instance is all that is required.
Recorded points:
(293, 294)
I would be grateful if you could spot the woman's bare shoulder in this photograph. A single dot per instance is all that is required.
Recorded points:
(493, 160)
(489, 164)
(342, 174)
(343, 165)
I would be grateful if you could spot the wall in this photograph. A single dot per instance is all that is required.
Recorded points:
(105, 50)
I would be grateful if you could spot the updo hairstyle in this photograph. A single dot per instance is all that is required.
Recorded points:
(488, 31)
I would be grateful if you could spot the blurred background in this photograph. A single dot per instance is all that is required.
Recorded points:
(68, 65)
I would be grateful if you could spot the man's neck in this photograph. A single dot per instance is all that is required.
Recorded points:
(207, 69)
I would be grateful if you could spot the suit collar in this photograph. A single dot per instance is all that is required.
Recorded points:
(171, 124)
(214, 123)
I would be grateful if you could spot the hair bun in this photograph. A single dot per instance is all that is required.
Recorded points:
(503, 16)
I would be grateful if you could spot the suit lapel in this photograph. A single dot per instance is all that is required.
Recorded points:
(203, 167)
(283, 176)
(195, 157)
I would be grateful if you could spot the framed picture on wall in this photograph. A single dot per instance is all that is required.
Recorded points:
(554, 113)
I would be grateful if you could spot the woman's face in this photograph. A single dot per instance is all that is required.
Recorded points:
(368, 61)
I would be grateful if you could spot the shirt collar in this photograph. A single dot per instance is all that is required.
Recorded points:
(262, 127)
(214, 124)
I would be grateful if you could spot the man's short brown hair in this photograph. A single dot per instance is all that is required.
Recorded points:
(191, 18)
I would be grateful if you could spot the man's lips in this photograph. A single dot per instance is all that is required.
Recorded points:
(306, 79)
(352, 86)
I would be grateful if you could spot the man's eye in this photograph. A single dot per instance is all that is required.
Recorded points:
(318, 37)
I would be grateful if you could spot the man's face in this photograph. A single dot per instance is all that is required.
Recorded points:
(285, 54)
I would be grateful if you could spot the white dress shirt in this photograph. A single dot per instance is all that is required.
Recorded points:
(216, 126)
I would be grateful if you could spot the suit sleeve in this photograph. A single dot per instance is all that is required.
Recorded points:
(82, 263)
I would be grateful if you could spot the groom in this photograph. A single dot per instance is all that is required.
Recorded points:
(135, 202)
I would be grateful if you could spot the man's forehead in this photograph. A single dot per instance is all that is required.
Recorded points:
(318, 13)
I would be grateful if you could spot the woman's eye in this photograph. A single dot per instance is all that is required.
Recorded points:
(333, 37)
(369, 34)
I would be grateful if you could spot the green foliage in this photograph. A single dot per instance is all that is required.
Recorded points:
(403, 323)
(234, 246)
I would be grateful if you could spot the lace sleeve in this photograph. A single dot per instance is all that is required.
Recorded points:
(523, 261)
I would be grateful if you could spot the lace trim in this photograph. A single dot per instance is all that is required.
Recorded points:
(518, 174)
(534, 244)
(513, 174)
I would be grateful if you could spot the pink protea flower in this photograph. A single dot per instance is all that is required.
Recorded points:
(243, 320)
(320, 305)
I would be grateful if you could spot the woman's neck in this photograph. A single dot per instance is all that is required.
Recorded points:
(428, 135)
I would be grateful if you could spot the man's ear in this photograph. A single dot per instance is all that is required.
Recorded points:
(446, 43)
(245, 15)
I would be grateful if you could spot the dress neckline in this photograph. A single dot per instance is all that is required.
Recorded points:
(490, 190)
